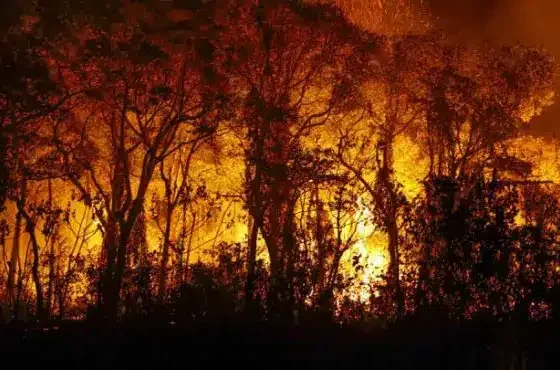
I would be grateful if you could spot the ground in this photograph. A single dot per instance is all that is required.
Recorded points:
(258, 346)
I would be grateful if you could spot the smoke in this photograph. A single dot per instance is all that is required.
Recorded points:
(467, 18)
(530, 22)
(496, 20)
(505, 22)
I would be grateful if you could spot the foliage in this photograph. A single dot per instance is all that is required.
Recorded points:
(268, 160)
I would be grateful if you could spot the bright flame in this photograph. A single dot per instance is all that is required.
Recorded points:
(371, 249)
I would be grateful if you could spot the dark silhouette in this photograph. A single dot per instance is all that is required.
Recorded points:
(220, 182)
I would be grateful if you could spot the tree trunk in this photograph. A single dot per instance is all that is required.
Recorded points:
(189, 244)
(289, 246)
(118, 237)
(116, 251)
(35, 273)
(162, 284)
(255, 208)
(251, 262)
(30, 226)
(421, 293)
(14, 263)
(394, 265)
(108, 306)
(321, 239)
(391, 224)
(61, 304)
(52, 276)
(126, 230)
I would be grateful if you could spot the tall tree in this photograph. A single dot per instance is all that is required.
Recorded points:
(390, 92)
(140, 95)
(287, 60)
(477, 101)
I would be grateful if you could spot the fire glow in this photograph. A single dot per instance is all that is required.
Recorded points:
(279, 155)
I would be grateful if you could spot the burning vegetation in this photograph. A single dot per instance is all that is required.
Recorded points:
(282, 160)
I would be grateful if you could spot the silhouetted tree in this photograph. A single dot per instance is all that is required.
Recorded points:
(287, 60)
(140, 95)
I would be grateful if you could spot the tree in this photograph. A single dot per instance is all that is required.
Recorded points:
(329, 226)
(477, 100)
(475, 103)
(140, 95)
(27, 95)
(286, 60)
(390, 99)
(180, 191)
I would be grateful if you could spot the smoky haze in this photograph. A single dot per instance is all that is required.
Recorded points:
(531, 22)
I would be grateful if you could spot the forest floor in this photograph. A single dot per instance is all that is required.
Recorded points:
(259, 346)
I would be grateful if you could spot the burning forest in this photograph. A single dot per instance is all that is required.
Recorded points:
(272, 161)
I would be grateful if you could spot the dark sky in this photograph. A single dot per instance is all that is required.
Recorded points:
(532, 22)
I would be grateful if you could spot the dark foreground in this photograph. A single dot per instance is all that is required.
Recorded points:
(259, 346)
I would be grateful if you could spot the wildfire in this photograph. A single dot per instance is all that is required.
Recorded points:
(165, 161)
(369, 253)
(389, 17)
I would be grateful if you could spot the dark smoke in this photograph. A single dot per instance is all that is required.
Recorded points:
(465, 18)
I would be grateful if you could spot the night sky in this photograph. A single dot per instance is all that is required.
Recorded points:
(532, 22)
